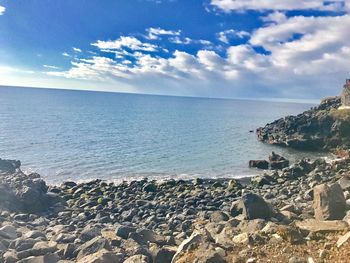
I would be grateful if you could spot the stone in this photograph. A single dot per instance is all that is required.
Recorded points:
(93, 246)
(35, 234)
(344, 182)
(329, 202)
(48, 258)
(124, 231)
(101, 256)
(89, 233)
(163, 255)
(313, 225)
(137, 259)
(9, 166)
(297, 260)
(243, 238)
(277, 162)
(218, 216)
(260, 164)
(252, 206)
(10, 257)
(150, 187)
(343, 239)
(8, 232)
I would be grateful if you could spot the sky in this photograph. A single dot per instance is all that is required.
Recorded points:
(208, 48)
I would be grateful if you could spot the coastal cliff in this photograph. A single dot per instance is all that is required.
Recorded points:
(322, 128)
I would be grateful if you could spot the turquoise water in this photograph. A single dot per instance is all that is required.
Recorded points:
(82, 135)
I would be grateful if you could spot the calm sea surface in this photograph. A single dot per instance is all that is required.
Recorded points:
(83, 135)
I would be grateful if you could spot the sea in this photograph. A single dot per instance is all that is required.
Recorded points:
(83, 135)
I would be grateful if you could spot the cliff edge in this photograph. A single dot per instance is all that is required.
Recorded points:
(322, 128)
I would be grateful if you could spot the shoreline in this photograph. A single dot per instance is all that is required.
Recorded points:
(172, 220)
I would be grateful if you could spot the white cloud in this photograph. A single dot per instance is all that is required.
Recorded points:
(65, 54)
(75, 49)
(154, 33)
(238, 5)
(50, 67)
(279, 59)
(2, 10)
(188, 41)
(131, 43)
(224, 36)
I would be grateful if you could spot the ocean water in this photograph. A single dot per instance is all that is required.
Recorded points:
(80, 135)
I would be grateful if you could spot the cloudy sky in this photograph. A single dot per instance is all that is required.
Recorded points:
(213, 48)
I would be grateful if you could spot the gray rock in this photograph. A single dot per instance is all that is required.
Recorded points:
(252, 206)
(102, 256)
(89, 233)
(218, 216)
(163, 255)
(93, 246)
(329, 202)
(124, 231)
(137, 259)
(8, 232)
(48, 258)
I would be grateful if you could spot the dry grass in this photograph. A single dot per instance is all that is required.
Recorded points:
(342, 114)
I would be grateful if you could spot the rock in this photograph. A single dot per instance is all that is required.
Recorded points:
(94, 245)
(260, 164)
(218, 216)
(89, 233)
(163, 255)
(124, 231)
(329, 202)
(343, 239)
(150, 187)
(313, 225)
(252, 206)
(243, 238)
(101, 256)
(344, 182)
(10, 257)
(8, 232)
(277, 162)
(297, 260)
(48, 258)
(137, 259)
(9, 166)
(35, 234)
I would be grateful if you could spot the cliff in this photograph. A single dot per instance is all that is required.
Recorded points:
(322, 128)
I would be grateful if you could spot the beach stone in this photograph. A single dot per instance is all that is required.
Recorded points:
(89, 233)
(163, 255)
(124, 231)
(35, 234)
(102, 256)
(48, 258)
(8, 232)
(137, 259)
(10, 257)
(93, 246)
(9, 166)
(313, 225)
(260, 164)
(251, 206)
(297, 260)
(344, 182)
(343, 239)
(277, 162)
(218, 216)
(329, 202)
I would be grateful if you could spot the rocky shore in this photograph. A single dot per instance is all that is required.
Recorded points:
(325, 128)
(298, 214)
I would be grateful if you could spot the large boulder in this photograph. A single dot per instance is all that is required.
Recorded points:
(277, 162)
(260, 164)
(329, 202)
(252, 206)
(9, 166)
(101, 256)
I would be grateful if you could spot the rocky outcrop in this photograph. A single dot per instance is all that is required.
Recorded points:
(321, 128)
(24, 193)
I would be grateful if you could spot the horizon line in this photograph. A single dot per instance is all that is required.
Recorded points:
(265, 99)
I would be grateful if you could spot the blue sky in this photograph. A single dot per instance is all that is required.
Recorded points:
(212, 48)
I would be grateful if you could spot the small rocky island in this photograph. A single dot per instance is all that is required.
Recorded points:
(322, 128)
(297, 212)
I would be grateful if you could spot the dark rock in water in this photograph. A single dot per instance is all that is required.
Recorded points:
(320, 128)
(9, 166)
(277, 162)
(329, 202)
(252, 206)
(260, 164)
